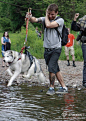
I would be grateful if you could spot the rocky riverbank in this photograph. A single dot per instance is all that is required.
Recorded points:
(72, 75)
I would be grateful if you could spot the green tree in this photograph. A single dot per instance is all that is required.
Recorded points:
(14, 11)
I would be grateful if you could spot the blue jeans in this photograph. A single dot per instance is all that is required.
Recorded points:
(84, 66)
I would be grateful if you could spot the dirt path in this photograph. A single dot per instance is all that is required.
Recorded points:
(72, 75)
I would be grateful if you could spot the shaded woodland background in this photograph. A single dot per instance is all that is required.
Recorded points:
(12, 12)
(12, 19)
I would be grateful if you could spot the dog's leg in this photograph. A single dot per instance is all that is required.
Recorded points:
(16, 73)
(9, 72)
(30, 71)
(41, 77)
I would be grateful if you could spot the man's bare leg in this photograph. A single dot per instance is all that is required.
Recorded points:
(60, 79)
(52, 80)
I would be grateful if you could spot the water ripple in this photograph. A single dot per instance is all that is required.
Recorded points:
(25, 103)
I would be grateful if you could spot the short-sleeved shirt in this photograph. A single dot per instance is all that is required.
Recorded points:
(51, 38)
(70, 40)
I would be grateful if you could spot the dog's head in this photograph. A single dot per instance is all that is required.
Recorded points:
(9, 56)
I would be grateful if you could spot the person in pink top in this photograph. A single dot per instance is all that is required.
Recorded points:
(69, 47)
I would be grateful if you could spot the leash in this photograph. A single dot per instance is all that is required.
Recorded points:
(27, 22)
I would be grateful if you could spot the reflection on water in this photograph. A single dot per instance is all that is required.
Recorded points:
(30, 103)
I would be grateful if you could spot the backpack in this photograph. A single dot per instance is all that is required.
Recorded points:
(7, 46)
(65, 33)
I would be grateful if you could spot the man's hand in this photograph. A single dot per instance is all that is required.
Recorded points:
(76, 16)
(28, 15)
(46, 13)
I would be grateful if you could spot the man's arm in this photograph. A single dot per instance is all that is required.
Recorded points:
(50, 24)
(74, 25)
(33, 19)
(73, 42)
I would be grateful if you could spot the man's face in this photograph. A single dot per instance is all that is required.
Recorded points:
(52, 15)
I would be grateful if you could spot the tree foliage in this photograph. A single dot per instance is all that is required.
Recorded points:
(12, 12)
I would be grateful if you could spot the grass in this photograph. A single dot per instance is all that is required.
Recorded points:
(18, 39)
(36, 45)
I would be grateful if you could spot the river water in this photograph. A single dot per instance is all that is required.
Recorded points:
(30, 103)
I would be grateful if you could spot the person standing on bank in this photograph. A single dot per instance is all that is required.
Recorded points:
(70, 47)
(4, 39)
(80, 25)
(52, 45)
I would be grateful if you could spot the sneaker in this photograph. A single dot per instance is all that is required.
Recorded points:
(62, 91)
(50, 92)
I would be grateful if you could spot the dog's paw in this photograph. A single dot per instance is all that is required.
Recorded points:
(9, 84)
(24, 76)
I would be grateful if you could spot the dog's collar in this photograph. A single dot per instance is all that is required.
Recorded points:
(19, 59)
(13, 60)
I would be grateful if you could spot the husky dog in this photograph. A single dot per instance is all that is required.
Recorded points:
(21, 63)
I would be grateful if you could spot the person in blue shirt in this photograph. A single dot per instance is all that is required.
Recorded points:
(4, 39)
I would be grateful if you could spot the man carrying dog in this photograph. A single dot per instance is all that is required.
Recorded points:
(81, 26)
(52, 45)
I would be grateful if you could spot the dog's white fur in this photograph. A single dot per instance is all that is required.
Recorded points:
(20, 63)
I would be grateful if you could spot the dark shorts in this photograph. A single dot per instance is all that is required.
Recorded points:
(51, 59)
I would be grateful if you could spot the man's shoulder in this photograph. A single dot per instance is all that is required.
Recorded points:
(59, 20)
(43, 18)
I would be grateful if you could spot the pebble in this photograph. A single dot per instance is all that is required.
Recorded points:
(72, 75)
